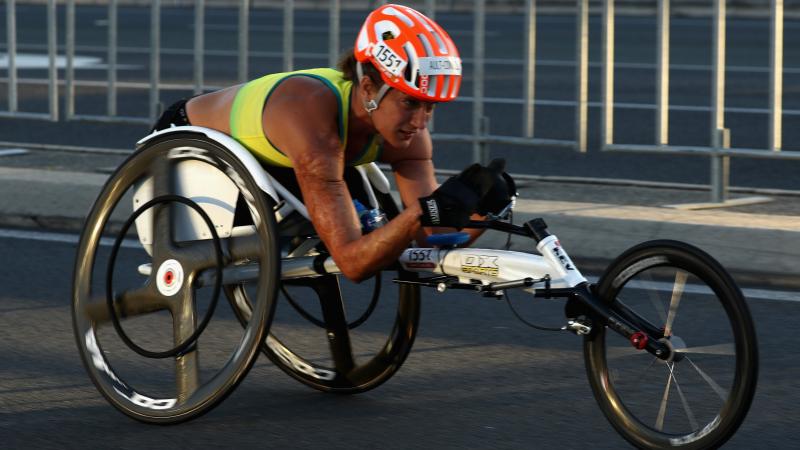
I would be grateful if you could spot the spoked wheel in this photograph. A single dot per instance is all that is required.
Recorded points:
(699, 397)
(328, 349)
(144, 311)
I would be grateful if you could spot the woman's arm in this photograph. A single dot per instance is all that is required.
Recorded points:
(300, 119)
(415, 178)
(331, 209)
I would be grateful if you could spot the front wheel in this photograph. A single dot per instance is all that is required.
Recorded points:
(701, 394)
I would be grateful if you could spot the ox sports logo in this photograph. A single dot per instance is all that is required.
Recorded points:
(480, 265)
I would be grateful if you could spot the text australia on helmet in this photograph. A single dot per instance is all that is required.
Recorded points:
(412, 53)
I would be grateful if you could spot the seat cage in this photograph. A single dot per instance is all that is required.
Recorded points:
(217, 194)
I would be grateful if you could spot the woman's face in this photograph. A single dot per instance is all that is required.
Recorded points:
(400, 117)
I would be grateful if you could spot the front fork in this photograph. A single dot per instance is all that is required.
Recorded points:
(643, 336)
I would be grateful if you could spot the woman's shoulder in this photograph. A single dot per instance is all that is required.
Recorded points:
(300, 115)
(302, 93)
(212, 110)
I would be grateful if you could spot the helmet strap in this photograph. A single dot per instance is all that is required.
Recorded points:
(372, 104)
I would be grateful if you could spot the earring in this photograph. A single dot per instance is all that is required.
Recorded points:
(370, 106)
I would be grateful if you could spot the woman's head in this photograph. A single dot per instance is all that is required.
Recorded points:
(403, 63)
(411, 52)
(400, 116)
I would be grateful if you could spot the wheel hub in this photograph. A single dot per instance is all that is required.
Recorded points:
(676, 345)
(169, 278)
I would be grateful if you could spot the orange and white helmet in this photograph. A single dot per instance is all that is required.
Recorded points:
(412, 52)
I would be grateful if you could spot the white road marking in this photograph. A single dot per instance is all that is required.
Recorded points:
(13, 151)
(49, 236)
(749, 293)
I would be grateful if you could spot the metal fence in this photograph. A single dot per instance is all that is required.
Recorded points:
(719, 146)
(479, 137)
(718, 149)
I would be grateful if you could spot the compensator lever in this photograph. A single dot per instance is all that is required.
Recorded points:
(579, 327)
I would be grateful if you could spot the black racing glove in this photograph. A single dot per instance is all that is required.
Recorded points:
(457, 198)
(503, 188)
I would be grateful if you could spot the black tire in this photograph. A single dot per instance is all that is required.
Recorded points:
(699, 398)
(343, 373)
(194, 391)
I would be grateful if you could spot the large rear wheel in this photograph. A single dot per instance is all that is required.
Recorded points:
(145, 346)
(334, 335)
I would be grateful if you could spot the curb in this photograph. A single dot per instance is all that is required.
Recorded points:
(55, 223)
(595, 233)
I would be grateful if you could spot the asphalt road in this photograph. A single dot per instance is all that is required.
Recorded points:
(746, 92)
(477, 378)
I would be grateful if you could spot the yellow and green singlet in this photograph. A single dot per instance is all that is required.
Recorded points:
(246, 115)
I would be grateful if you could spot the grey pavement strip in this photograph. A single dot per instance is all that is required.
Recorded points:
(714, 218)
(52, 176)
(761, 248)
(659, 214)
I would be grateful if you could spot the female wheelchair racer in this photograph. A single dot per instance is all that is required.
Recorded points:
(209, 216)
(669, 344)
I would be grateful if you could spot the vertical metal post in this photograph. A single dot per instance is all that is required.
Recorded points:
(70, 54)
(52, 49)
(776, 77)
(288, 35)
(244, 40)
(111, 98)
(479, 151)
(662, 83)
(11, 46)
(155, 53)
(607, 127)
(529, 87)
(720, 166)
(582, 74)
(718, 73)
(719, 163)
(199, 44)
(430, 9)
(334, 23)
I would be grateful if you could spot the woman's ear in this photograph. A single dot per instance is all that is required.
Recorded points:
(367, 88)
(368, 93)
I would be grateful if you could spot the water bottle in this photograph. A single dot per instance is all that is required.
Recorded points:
(371, 219)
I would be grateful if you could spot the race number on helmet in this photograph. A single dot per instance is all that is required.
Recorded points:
(413, 53)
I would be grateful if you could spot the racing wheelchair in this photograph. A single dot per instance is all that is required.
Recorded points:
(669, 345)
